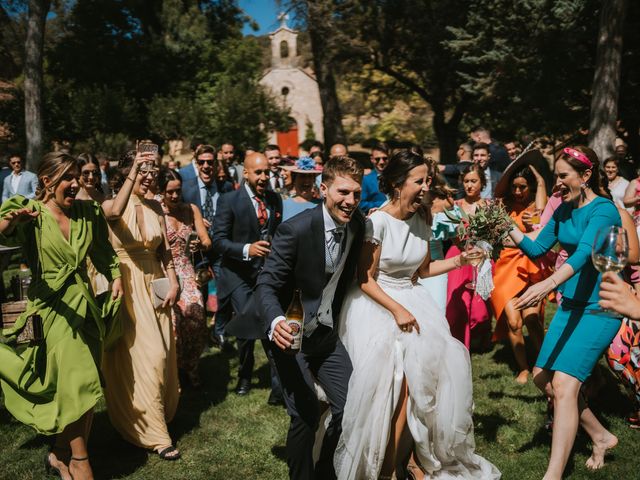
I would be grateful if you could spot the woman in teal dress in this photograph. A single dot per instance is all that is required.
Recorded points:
(576, 338)
(54, 386)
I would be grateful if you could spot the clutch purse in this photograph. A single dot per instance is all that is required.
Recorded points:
(159, 290)
(32, 333)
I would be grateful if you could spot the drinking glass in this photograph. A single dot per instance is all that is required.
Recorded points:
(535, 217)
(475, 257)
(610, 253)
(147, 147)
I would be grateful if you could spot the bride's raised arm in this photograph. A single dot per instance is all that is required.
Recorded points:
(431, 268)
(367, 270)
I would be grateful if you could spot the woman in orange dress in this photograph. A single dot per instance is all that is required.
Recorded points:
(514, 272)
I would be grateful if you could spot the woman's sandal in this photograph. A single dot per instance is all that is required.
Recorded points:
(414, 472)
(165, 454)
(634, 422)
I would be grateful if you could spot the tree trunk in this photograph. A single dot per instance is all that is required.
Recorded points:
(34, 45)
(606, 80)
(447, 132)
(318, 15)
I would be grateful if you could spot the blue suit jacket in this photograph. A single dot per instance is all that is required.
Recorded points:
(27, 186)
(188, 171)
(371, 197)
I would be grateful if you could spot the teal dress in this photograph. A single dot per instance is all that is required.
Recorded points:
(576, 338)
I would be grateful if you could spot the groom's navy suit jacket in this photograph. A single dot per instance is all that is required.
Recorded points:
(297, 260)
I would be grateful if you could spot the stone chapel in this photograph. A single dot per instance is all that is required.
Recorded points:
(296, 87)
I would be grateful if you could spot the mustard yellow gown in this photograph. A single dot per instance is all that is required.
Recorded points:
(140, 370)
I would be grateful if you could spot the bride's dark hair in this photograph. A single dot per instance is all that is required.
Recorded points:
(398, 168)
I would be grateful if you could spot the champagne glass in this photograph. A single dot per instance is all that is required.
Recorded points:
(535, 217)
(475, 257)
(610, 253)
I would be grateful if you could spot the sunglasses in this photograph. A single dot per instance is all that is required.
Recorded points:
(153, 173)
(377, 159)
(211, 163)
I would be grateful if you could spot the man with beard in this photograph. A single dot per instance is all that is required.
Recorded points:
(19, 181)
(245, 221)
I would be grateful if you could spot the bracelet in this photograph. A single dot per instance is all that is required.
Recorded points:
(129, 178)
(457, 261)
(555, 284)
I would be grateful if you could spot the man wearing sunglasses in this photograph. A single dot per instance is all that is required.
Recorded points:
(19, 181)
(202, 190)
(372, 197)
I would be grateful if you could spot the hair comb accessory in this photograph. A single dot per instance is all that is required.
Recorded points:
(581, 157)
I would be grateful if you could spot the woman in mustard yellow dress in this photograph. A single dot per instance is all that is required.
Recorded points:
(140, 369)
(54, 385)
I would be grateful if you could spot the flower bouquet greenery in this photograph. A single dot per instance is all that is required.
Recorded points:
(489, 225)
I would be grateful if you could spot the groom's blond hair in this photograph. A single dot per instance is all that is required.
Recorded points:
(341, 167)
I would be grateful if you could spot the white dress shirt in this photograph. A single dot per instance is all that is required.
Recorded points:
(15, 180)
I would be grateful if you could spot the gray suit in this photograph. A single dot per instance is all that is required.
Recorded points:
(26, 186)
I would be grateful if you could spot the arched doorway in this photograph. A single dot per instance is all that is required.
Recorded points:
(288, 141)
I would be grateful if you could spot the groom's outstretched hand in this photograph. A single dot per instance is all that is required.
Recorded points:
(282, 335)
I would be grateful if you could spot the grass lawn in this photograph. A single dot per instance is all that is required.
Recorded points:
(226, 437)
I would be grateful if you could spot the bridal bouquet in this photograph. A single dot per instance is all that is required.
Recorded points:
(487, 229)
(490, 225)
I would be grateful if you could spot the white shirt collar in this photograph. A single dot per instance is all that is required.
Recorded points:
(329, 223)
(249, 191)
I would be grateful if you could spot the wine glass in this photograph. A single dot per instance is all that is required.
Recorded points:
(610, 253)
(475, 257)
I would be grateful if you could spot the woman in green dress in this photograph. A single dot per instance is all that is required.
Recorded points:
(53, 386)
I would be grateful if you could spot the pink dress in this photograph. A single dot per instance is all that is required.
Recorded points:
(468, 314)
(188, 315)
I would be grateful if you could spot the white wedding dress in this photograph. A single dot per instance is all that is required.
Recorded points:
(436, 366)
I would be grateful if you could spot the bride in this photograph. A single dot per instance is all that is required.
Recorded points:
(410, 401)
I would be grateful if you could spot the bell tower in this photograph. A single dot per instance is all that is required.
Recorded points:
(284, 45)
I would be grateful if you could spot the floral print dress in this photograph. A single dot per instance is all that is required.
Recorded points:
(188, 314)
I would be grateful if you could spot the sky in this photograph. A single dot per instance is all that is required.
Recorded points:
(264, 12)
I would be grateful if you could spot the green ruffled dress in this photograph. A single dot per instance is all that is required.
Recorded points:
(51, 385)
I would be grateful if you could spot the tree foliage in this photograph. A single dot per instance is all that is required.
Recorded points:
(136, 68)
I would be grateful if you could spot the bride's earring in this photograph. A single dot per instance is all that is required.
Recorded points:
(583, 186)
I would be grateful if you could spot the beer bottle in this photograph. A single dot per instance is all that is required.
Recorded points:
(295, 320)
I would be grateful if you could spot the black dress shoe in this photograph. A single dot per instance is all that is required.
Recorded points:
(226, 345)
(275, 399)
(243, 386)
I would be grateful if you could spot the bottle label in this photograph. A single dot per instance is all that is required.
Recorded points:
(296, 331)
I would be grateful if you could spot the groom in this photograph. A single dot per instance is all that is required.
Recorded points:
(316, 251)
